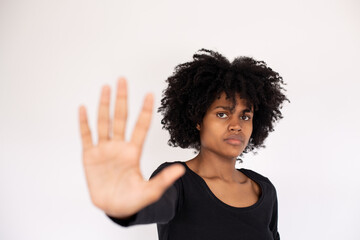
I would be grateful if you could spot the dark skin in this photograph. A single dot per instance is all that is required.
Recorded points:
(224, 133)
(112, 166)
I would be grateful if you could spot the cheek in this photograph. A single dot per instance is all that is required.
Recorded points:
(248, 132)
(209, 135)
(250, 129)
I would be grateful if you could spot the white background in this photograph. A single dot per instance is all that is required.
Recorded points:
(56, 55)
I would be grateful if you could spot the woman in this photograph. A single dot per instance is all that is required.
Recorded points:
(222, 110)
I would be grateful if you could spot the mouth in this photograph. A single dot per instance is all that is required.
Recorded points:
(235, 140)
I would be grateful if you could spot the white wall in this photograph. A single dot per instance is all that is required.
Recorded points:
(55, 55)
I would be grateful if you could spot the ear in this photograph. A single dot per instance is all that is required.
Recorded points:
(198, 127)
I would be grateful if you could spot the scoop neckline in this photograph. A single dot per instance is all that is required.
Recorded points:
(223, 204)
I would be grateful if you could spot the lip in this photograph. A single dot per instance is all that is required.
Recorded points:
(234, 140)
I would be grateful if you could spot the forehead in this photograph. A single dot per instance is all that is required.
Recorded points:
(223, 100)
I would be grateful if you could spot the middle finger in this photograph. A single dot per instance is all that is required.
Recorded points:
(103, 115)
(120, 114)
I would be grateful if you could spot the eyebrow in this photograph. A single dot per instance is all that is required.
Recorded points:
(231, 109)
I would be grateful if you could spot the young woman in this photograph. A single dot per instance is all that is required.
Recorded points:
(222, 109)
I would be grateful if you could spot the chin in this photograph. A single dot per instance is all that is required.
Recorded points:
(232, 154)
(235, 150)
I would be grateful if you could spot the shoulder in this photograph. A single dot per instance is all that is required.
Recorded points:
(164, 165)
(257, 176)
(254, 174)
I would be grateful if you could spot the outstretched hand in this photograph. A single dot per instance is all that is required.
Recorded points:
(112, 167)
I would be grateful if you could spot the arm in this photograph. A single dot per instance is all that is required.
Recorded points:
(274, 220)
(161, 211)
(112, 166)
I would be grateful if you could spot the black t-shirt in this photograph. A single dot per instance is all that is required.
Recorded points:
(189, 210)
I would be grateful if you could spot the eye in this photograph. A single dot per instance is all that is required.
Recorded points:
(222, 115)
(246, 118)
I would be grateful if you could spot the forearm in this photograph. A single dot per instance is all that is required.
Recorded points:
(161, 211)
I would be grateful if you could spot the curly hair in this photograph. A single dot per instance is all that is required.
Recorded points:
(195, 85)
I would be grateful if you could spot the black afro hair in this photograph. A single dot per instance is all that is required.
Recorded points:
(195, 85)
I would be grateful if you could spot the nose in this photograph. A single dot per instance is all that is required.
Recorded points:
(234, 126)
(235, 129)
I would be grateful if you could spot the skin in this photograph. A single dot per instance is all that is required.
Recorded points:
(224, 133)
(112, 165)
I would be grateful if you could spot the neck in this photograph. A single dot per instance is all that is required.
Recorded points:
(210, 165)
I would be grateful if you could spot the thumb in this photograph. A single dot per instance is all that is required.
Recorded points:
(163, 180)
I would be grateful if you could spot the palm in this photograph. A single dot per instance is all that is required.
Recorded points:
(112, 168)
